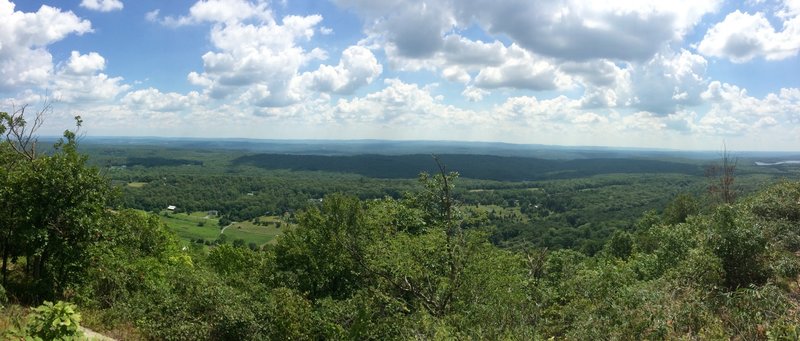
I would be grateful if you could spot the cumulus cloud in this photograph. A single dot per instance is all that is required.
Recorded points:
(563, 29)
(218, 11)
(357, 67)
(258, 62)
(668, 82)
(579, 30)
(24, 37)
(400, 103)
(554, 45)
(599, 73)
(462, 51)
(474, 94)
(151, 99)
(535, 112)
(79, 64)
(520, 74)
(102, 5)
(729, 100)
(741, 37)
(81, 80)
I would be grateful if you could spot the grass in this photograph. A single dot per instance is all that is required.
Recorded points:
(11, 316)
(188, 227)
(136, 184)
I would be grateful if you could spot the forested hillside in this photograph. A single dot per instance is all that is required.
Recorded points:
(427, 260)
(472, 166)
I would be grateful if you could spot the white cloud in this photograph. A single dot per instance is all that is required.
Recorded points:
(522, 74)
(580, 30)
(357, 67)
(598, 97)
(668, 82)
(599, 73)
(457, 74)
(79, 64)
(415, 29)
(554, 45)
(399, 103)
(589, 118)
(493, 64)
(80, 80)
(258, 62)
(564, 29)
(220, 11)
(24, 37)
(538, 113)
(741, 37)
(102, 5)
(462, 51)
(152, 16)
(732, 101)
(151, 99)
(474, 94)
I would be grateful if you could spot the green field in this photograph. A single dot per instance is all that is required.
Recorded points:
(198, 225)
(136, 184)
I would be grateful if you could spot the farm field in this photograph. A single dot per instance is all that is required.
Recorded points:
(198, 225)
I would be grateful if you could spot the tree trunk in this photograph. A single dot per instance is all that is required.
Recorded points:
(5, 261)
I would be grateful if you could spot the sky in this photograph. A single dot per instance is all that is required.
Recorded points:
(679, 74)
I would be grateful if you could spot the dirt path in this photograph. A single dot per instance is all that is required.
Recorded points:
(92, 335)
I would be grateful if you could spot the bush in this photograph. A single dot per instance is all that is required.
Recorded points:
(50, 321)
(739, 243)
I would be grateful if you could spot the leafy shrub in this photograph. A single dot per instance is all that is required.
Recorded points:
(740, 244)
(289, 315)
(781, 201)
(621, 244)
(60, 321)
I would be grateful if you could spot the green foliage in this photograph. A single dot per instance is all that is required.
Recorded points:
(132, 253)
(473, 166)
(621, 245)
(51, 211)
(424, 265)
(683, 206)
(59, 321)
(778, 202)
(314, 257)
(224, 221)
(3, 297)
(182, 302)
(288, 316)
(740, 244)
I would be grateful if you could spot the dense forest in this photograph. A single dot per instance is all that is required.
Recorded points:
(644, 256)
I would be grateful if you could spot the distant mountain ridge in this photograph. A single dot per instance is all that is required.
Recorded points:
(393, 147)
(490, 167)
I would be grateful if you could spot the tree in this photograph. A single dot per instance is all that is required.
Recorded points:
(17, 150)
(680, 208)
(721, 178)
(52, 205)
(621, 244)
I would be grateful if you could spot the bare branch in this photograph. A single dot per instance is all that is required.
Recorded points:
(722, 177)
(20, 133)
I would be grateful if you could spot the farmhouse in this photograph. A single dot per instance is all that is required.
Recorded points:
(171, 208)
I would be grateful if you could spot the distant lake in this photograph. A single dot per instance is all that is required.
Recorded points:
(790, 162)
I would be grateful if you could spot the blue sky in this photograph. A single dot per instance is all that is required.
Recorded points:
(649, 73)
